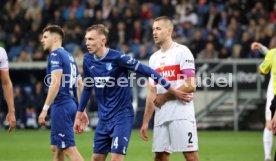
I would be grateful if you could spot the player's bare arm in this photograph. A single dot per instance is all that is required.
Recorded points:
(80, 87)
(149, 109)
(260, 47)
(84, 121)
(52, 93)
(188, 87)
(8, 94)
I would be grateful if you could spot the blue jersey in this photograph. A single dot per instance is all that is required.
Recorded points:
(114, 98)
(61, 60)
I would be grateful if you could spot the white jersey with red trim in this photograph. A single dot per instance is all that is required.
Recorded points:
(4, 63)
(170, 64)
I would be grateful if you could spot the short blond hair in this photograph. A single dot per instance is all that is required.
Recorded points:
(166, 19)
(100, 28)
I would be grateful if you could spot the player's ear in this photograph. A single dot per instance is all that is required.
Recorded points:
(103, 40)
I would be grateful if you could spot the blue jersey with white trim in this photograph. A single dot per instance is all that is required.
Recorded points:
(61, 60)
(113, 100)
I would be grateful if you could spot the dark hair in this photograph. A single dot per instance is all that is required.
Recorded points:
(100, 28)
(54, 29)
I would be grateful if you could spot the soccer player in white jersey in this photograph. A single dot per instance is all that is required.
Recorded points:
(7, 88)
(268, 135)
(174, 123)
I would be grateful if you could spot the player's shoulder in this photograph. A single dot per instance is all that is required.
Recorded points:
(3, 52)
(115, 53)
(182, 50)
(155, 54)
(272, 51)
(88, 57)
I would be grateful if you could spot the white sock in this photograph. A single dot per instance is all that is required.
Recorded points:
(267, 140)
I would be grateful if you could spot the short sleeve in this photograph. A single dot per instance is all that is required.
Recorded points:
(186, 59)
(4, 62)
(56, 63)
(187, 63)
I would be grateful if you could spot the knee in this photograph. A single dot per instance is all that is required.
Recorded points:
(192, 157)
(161, 156)
(68, 151)
(54, 149)
(116, 159)
(95, 158)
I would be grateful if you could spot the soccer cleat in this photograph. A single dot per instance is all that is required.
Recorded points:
(268, 160)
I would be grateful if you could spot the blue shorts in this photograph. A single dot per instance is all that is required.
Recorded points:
(62, 122)
(113, 136)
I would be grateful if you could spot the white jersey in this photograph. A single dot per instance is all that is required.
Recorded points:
(169, 64)
(4, 63)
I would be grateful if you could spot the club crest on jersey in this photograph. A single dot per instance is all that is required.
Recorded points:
(108, 66)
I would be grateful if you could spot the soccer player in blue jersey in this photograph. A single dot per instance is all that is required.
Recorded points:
(62, 95)
(107, 70)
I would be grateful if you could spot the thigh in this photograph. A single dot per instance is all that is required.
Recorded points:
(121, 132)
(183, 136)
(161, 139)
(62, 122)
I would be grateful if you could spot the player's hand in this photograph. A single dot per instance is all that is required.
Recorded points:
(85, 119)
(268, 124)
(81, 121)
(144, 132)
(41, 118)
(182, 96)
(255, 46)
(160, 100)
(10, 118)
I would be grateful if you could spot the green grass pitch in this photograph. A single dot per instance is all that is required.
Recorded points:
(33, 145)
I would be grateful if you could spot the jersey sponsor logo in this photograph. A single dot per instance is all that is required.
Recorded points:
(171, 73)
(108, 66)
(54, 62)
(54, 54)
(100, 82)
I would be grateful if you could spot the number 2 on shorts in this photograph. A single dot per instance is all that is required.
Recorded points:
(190, 135)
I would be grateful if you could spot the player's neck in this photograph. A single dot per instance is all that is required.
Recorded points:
(55, 46)
(101, 52)
(166, 45)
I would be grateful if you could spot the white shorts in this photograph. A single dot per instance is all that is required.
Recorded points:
(269, 98)
(175, 136)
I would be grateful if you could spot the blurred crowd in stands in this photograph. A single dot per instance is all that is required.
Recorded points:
(212, 29)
